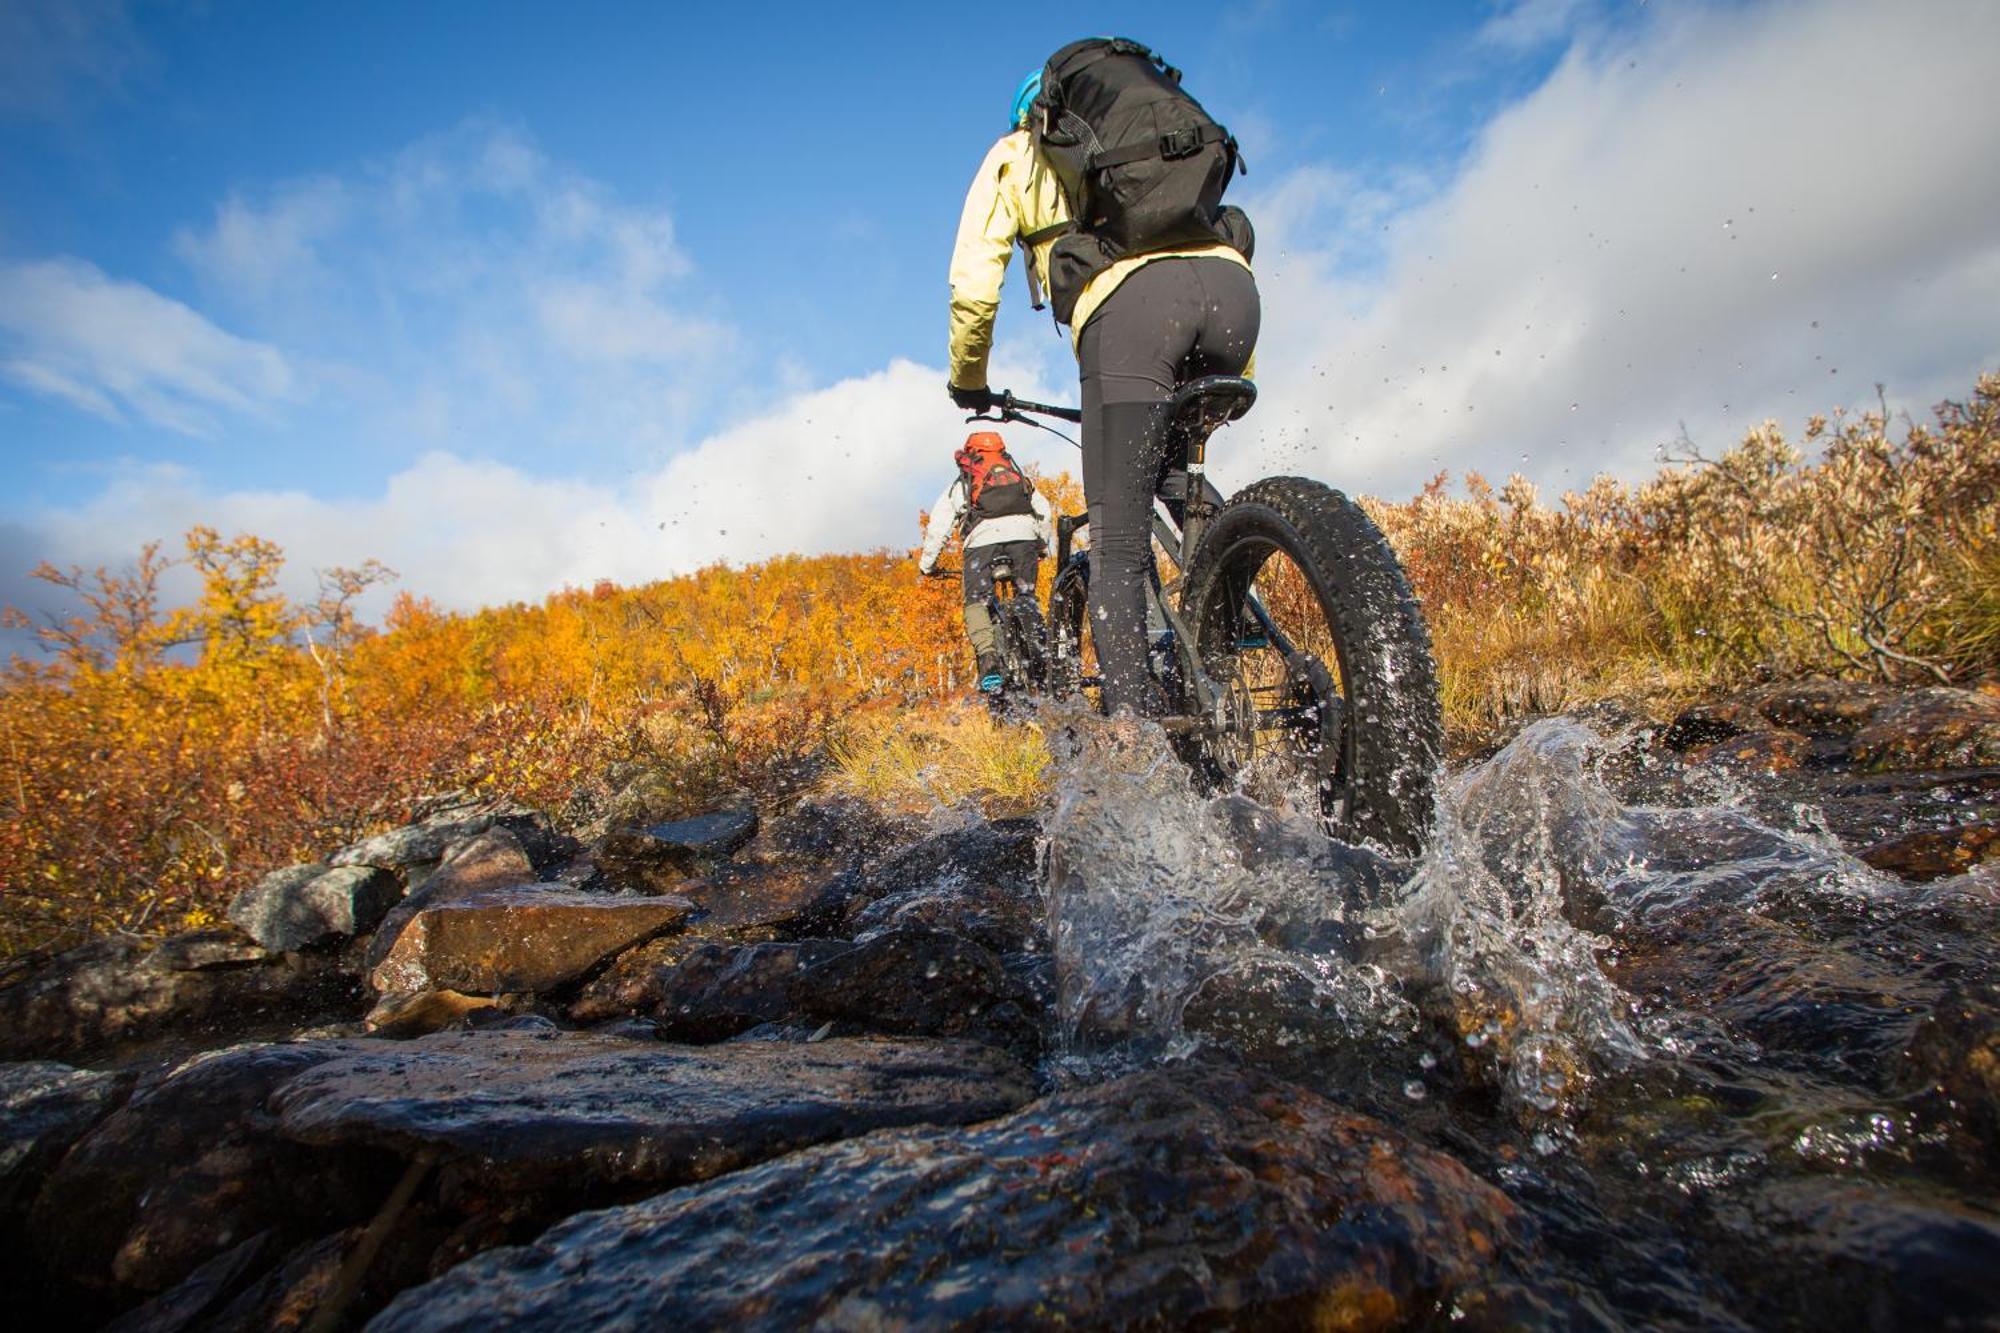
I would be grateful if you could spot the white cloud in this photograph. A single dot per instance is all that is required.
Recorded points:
(113, 347)
(844, 468)
(468, 286)
(1697, 223)
(261, 250)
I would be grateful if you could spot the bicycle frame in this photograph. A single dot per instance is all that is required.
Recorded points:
(1184, 501)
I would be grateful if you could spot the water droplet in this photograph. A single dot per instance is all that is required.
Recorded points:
(1414, 1089)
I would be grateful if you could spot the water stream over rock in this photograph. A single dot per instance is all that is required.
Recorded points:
(1737, 1076)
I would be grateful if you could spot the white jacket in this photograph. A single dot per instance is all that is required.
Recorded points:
(950, 509)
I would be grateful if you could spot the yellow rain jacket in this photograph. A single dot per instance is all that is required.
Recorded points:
(1016, 195)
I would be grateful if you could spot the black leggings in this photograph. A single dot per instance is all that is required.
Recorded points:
(1171, 321)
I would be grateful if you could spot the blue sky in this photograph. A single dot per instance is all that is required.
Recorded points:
(513, 296)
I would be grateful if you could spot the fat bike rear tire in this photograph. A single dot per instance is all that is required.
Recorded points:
(1366, 727)
(1069, 608)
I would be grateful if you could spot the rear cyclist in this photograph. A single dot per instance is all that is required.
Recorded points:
(1154, 297)
(1002, 516)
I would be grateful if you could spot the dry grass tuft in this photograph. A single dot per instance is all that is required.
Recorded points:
(924, 759)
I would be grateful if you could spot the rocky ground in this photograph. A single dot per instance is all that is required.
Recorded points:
(793, 1070)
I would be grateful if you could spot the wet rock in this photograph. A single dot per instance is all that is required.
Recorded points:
(1935, 728)
(908, 981)
(919, 981)
(1768, 751)
(44, 1108)
(1812, 707)
(190, 1167)
(836, 831)
(1167, 1199)
(998, 916)
(1937, 853)
(188, 1304)
(743, 901)
(1851, 1254)
(1957, 1050)
(535, 938)
(301, 906)
(492, 858)
(631, 984)
(657, 857)
(1708, 723)
(290, 1294)
(1820, 706)
(207, 950)
(567, 1110)
(719, 990)
(116, 990)
(996, 859)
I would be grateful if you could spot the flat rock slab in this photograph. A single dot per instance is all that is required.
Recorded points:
(300, 906)
(534, 938)
(560, 1110)
(1167, 1199)
(659, 856)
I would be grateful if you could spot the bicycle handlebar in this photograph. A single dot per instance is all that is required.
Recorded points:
(1006, 407)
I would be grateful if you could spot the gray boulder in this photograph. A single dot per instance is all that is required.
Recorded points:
(301, 906)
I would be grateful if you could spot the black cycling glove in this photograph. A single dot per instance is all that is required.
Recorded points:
(972, 400)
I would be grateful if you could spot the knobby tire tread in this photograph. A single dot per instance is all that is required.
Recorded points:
(1386, 667)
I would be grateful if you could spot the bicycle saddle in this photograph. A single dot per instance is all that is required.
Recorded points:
(1200, 406)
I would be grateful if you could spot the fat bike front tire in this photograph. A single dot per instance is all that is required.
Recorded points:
(1354, 705)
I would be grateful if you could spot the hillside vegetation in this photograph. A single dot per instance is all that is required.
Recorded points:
(156, 759)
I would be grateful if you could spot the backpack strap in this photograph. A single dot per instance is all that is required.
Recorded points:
(1028, 244)
(1175, 144)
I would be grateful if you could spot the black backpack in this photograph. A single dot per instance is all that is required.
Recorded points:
(1141, 165)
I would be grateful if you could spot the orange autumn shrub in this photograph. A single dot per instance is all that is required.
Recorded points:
(158, 759)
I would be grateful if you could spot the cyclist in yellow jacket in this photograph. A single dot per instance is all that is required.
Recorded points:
(1140, 327)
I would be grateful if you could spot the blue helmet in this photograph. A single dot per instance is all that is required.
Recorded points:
(1024, 96)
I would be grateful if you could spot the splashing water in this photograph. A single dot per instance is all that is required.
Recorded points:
(1180, 920)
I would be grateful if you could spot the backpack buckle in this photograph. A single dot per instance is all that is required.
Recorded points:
(1180, 143)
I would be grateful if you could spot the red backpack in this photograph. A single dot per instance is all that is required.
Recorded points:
(995, 485)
